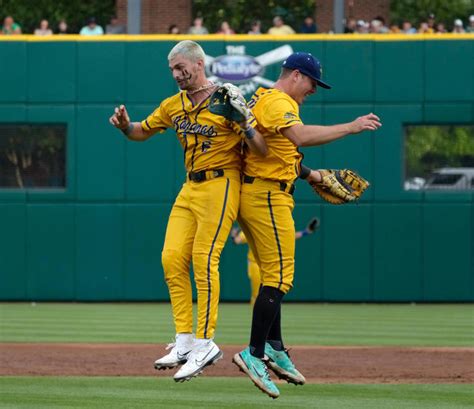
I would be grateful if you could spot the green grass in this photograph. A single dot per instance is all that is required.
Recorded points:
(221, 393)
(304, 324)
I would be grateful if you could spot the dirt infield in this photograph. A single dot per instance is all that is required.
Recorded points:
(319, 364)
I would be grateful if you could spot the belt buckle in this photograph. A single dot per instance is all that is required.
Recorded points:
(215, 173)
(197, 176)
(201, 176)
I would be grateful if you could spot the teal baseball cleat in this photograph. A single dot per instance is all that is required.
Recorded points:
(280, 363)
(257, 371)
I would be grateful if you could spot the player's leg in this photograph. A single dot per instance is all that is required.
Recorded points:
(270, 226)
(215, 205)
(254, 277)
(266, 219)
(176, 258)
(280, 210)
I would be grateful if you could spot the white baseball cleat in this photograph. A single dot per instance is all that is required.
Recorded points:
(180, 350)
(205, 353)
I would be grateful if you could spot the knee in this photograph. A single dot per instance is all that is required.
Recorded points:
(173, 262)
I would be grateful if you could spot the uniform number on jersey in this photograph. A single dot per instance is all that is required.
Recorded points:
(205, 146)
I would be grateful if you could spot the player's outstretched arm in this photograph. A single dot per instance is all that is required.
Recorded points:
(311, 135)
(132, 130)
(310, 228)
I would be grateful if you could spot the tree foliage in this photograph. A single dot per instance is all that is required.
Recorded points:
(431, 147)
(29, 13)
(32, 155)
(241, 13)
(416, 11)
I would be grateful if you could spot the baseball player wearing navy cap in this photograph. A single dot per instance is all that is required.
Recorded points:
(306, 64)
(266, 206)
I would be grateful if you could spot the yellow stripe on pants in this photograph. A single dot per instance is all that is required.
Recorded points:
(198, 227)
(253, 271)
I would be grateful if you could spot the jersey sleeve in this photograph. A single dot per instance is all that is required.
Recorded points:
(159, 120)
(238, 130)
(279, 114)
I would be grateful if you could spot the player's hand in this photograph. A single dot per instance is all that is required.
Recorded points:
(370, 122)
(238, 102)
(120, 118)
(312, 225)
(314, 177)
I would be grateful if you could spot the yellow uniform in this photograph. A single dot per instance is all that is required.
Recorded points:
(253, 271)
(203, 213)
(266, 203)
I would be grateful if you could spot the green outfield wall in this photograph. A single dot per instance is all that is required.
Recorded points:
(101, 237)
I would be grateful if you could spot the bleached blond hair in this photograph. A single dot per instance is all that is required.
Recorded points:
(188, 49)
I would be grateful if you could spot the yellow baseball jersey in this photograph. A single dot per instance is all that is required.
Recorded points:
(209, 141)
(274, 110)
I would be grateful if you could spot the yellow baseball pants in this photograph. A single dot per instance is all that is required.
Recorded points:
(253, 271)
(198, 227)
(266, 219)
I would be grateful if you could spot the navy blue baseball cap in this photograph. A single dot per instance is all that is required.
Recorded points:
(307, 65)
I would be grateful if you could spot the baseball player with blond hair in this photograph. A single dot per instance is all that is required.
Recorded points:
(266, 207)
(205, 208)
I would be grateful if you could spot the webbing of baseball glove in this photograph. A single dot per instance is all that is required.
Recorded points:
(339, 186)
(219, 104)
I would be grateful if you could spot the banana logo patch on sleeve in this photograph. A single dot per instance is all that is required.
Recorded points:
(289, 115)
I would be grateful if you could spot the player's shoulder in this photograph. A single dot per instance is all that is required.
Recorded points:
(171, 103)
(174, 99)
(265, 96)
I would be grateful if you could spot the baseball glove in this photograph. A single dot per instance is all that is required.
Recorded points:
(339, 186)
(227, 101)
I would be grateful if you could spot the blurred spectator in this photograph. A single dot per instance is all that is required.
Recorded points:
(377, 25)
(308, 26)
(440, 28)
(43, 29)
(458, 26)
(470, 27)
(362, 27)
(425, 28)
(10, 27)
(62, 27)
(407, 28)
(351, 26)
(394, 29)
(255, 28)
(225, 29)
(173, 29)
(92, 28)
(114, 27)
(431, 22)
(280, 28)
(198, 27)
